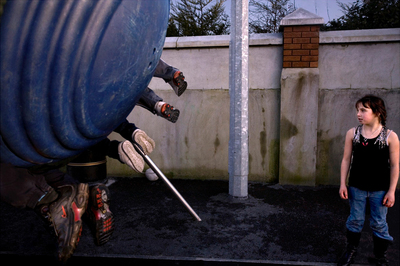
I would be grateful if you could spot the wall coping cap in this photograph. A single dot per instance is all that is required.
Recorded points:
(301, 17)
(271, 39)
(360, 36)
(220, 41)
(197, 41)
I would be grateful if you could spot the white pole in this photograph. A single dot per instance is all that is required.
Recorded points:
(239, 97)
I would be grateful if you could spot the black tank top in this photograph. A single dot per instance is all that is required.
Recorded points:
(370, 168)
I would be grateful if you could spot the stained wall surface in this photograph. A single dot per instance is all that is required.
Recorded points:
(350, 65)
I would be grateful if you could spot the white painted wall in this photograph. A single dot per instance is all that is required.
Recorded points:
(351, 64)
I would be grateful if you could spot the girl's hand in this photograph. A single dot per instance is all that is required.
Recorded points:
(389, 200)
(343, 192)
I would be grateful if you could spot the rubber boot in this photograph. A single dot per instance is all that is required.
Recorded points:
(353, 239)
(380, 250)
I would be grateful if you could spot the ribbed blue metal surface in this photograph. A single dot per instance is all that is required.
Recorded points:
(71, 71)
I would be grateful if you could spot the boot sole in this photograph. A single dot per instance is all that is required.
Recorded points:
(171, 114)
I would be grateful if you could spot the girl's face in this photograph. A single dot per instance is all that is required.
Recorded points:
(365, 115)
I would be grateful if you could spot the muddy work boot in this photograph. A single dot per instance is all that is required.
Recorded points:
(64, 214)
(101, 219)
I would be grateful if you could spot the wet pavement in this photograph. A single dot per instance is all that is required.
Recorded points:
(275, 225)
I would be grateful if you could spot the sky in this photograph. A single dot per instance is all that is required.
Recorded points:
(328, 9)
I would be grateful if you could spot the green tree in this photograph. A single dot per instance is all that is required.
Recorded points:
(172, 30)
(198, 17)
(265, 15)
(367, 14)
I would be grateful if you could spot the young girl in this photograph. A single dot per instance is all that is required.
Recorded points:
(372, 151)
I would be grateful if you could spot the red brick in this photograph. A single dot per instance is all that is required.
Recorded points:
(292, 34)
(309, 34)
(314, 40)
(287, 29)
(287, 40)
(313, 64)
(314, 52)
(287, 52)
(309, 58)
(301, 52)
(314, 28)
(288, 58)
(300, 64)
(301, 40)
(287, 64)
(301, 28)
(310, 46)
(291, 46)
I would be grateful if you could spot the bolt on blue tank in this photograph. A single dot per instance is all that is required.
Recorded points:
(72, 71)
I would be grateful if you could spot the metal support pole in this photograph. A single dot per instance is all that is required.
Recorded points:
(239, 97)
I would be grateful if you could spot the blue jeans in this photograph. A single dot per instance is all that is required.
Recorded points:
(358, 202)
(149, 97)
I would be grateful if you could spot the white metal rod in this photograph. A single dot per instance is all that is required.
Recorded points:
(158, 172)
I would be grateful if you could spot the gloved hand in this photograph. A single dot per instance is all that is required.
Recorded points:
(144, 140)
(151, 176)
(129, 156)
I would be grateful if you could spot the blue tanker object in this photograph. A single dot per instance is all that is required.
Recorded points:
(72, 71)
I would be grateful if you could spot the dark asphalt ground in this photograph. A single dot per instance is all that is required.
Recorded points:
(275, 225)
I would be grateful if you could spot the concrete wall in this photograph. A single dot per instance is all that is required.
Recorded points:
(351, 64)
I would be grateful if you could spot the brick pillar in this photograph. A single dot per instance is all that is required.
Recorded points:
(300, 46)
(299, 98)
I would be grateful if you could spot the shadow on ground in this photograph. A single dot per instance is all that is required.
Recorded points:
(275, 225)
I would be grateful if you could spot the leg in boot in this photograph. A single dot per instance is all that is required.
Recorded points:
(152, 102)
(148, 99)
(380, 250)
(379, 226)
(353, 239)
